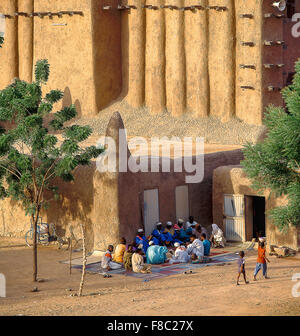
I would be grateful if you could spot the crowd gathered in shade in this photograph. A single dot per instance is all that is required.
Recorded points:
(179, 243)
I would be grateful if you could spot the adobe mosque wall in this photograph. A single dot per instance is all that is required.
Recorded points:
(232, 179)
(211, 62)
(111, 205)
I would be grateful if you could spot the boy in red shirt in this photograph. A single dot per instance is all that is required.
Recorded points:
(261, 261)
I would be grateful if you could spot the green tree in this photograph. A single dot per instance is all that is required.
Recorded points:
(31, 158)
(274, 164)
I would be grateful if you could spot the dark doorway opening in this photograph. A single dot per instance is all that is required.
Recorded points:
(291, 10)
(259, 217)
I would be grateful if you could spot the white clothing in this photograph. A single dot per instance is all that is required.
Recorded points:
(218, 235)
(107, 262)
(180, 255)
(137, 263)
(196, 247)
(188, 224)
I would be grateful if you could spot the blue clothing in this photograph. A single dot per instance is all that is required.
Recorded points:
(189, 232)
(156, 254)
(155, 241)
(157, 234)
(166, 236)
(259, 266)
(206, 245)
(142, 240)
(182, 235)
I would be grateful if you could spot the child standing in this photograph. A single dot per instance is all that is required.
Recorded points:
(241, 267)
(261, 260)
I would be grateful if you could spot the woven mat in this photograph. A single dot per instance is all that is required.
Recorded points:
(162, 270)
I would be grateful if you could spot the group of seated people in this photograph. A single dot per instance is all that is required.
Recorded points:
(174, 244)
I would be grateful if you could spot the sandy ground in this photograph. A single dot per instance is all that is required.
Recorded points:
(209, 291)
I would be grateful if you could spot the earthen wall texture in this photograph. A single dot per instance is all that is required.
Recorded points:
(183, 61)
(232, 180)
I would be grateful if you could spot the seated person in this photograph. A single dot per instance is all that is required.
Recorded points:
(138, 265)
(170, 236)
(107, 264)
(156, 254)
(217, 237)
(190, 222)
(170, 228)
(196, 248)
(167, 237)
(156, 233)
(127, 258)
(199, 230)
(154, 240)
(120, 250)
(141, 239)
(206, 244)
(182, 236)
(180, 254)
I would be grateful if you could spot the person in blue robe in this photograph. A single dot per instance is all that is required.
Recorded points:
(141, 239)
(156, 254)
(182, 235)
(157, 234)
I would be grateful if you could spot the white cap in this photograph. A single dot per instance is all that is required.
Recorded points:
(140, 246)
(180, 220)
(169, 223)
(158, 223)
(176, 244)
(140, 230)
(151, 242)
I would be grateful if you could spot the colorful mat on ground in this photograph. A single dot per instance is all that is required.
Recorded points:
(163, 270)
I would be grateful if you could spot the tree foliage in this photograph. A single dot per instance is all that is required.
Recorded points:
(32, 159)
(274, 164)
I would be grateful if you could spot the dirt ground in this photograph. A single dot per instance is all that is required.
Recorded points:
(209, 291)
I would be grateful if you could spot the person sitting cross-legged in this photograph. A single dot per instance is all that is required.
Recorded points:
(195, 249)
(138, 265)
(127, 258)
(206, 247)
(141, 239)
(217, 237)
(107, 264)
(157, 233)
(180, 255)
(169, 237)
(119, 251)
(182, 235)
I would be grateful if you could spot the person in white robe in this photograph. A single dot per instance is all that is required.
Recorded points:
(106, 263)
(196, 248)
(180, 255)
(217, 237)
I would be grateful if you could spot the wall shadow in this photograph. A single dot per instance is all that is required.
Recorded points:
(75, 205)
(107, 54)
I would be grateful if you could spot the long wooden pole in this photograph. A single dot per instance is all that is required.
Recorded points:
(84, 260)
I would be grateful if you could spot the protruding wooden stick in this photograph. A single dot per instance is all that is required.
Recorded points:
(84, 260)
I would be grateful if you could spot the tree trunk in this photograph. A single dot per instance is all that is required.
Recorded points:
(84, 260)
(34, 245)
